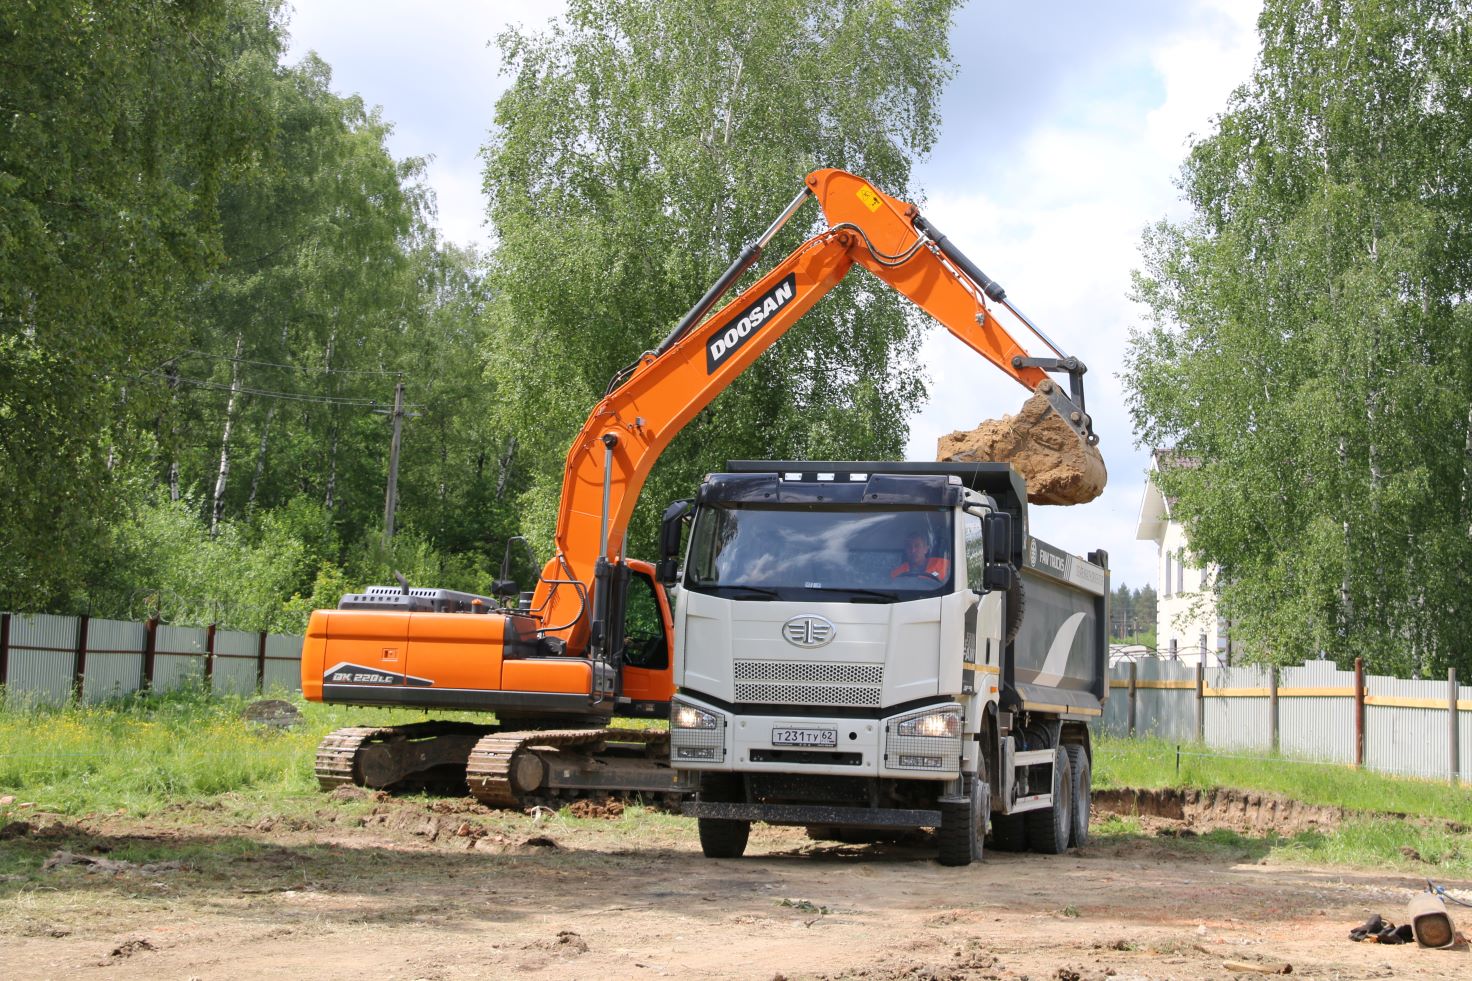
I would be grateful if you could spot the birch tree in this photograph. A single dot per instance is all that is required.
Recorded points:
(1310, 345)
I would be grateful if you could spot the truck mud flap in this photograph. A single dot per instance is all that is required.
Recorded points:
(816, 814)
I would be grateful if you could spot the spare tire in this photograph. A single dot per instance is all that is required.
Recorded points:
(1015, 604)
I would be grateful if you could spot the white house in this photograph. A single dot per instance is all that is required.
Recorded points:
(1187, 627)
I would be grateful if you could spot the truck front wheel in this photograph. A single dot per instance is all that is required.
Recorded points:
(1048, 830)
(963, 824)
(721, 838)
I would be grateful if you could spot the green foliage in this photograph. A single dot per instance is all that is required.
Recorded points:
(145, 752)
(640, 145)
(1309, 353)
(120, 122)
(1132, 615)
(212, 273)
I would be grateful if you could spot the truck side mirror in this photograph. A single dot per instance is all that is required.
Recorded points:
(997, 578)
(998, 534)
(668, 567)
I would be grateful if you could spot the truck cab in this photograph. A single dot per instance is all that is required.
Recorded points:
(844, 655)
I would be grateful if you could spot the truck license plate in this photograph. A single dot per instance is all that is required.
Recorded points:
(804, 737)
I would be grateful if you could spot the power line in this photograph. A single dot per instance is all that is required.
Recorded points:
(289, 367)
(264, 393)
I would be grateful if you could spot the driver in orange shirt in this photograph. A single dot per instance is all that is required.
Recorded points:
(918, 561)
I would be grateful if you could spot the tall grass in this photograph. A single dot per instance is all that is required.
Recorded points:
(1148, 763)
(144, 752)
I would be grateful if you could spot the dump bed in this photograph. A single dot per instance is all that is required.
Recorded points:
(1058, 662)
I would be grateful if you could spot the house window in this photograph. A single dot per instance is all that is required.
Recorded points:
(1165, 582)
(1203, 575)
(1180, 570)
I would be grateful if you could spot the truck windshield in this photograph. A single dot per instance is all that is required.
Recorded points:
(824, 555)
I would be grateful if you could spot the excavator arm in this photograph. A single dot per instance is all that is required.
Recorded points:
(651, 401)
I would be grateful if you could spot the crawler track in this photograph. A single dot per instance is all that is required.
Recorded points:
(382, 756)
(506, 768)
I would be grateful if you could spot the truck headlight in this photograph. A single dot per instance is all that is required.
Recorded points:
(690, 717)
(940, 725)
(927, 740)
(696, 735)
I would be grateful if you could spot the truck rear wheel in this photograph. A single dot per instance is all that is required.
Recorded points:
(1049, 830)
(1080, 794)
(1009, 832)
(962, 834)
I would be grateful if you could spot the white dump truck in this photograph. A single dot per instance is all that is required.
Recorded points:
(867, 648)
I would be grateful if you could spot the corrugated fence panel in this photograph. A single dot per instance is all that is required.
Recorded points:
(114, 659)
(1237, 718)
(283, 662)
(1165, 712)
(1115, 720)
(235, 661)
(1317, 726)
(179, 654)
(42, 657)
(1464, 732)
(1405, 739)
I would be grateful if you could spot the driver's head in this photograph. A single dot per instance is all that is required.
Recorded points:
(917, 549)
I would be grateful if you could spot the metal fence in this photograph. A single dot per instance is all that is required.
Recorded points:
(1315, 712)
(50, 659)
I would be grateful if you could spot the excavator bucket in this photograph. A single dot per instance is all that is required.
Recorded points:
(1060, 465)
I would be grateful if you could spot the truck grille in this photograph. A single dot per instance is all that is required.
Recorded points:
(808, 683)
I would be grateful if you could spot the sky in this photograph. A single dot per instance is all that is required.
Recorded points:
(1063, 134)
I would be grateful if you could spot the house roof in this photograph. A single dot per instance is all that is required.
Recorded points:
(1155, 507)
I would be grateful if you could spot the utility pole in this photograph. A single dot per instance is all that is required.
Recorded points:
(391, 498)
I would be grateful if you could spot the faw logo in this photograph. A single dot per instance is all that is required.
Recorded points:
(729, 341)
(808, 630)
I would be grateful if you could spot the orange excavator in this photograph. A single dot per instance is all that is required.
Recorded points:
(593, 639)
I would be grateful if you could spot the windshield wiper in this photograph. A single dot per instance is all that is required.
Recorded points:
(856, 591)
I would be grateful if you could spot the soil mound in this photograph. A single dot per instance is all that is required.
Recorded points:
(1059, 467)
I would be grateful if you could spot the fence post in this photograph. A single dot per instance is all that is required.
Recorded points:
(1454, 737)
(4, 649)
(1359, 712)
(79, 657)
(209, 657)
(261, 664)
(1201, 698)
(1273, 733)
(1134, 675)
(150, 644)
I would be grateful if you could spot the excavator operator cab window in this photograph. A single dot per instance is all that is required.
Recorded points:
(645, 644)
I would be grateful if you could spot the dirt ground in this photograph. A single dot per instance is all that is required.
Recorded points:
(364, 886)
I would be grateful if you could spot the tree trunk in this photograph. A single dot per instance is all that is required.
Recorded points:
(255, 480)
(224, 473)
(505, 461)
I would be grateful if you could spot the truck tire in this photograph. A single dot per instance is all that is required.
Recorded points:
(1009, 832)
(962, 834)
(1049, 829)
(1016, 604)
(1080, 795)
(722, 838)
